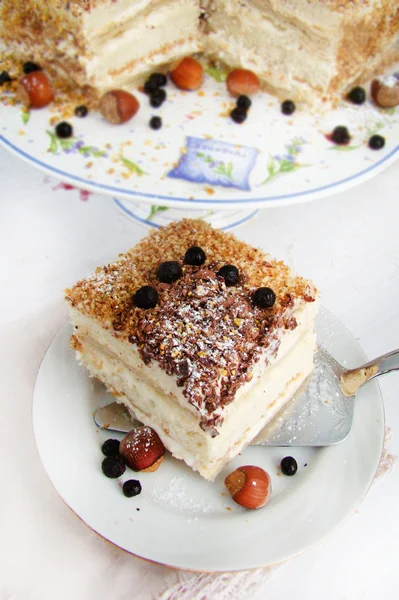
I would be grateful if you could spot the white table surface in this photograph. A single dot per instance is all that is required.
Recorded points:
(349, 245)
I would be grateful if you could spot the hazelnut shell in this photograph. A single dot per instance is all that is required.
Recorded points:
(35, 90)
(142, 449)
(249, 486)
(385, 96)
(242, 82)
(118, 106)
(188, 74)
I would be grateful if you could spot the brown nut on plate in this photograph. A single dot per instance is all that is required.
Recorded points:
(35, 90)
(142, 449)
(242, 82)
(188, 75)
(118, 106)
(249, 486)
(385, 92)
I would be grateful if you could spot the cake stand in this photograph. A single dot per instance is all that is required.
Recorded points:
(200, 163)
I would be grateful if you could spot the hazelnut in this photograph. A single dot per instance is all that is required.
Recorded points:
(385, 92)
(35, 90)
(142, 449)
(249, 486)
(242, 82)
(118, 106)
(188, 75)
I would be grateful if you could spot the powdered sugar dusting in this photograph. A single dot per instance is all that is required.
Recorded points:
(175, 496)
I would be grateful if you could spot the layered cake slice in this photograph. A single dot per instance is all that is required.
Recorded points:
(308, 48)
(203, 337)
(100, 43)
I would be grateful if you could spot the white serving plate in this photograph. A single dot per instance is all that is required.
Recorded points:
(184, 521)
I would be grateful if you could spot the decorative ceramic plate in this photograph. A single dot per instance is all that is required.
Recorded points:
(160, 216)
(200, 158)
(180, 519)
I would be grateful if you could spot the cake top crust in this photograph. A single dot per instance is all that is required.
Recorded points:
(205, 333)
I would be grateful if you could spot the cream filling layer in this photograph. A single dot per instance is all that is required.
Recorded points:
(178, 427)
(123, 40)
(281, 50)
(293, 45)
(157, 378)
(153, 396)
(138, 37)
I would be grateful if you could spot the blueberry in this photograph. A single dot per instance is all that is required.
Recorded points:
(155, 123)
(289, 466)
(243, 102)
(81, 111)
(159, 79)
(110, 448)
(131, 488)
(264, 297)
(150, 87)
(238, 114)
(4, 77)
(376, 142)
(29, 67)
(146, 297)
(113, 466)
(157, 98)
(169, 271)
(340, 135)
(229, 274)
(194, 256)
(288, 107)
(357, 95)
(64, 130)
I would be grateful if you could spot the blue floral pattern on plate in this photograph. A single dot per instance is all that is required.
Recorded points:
(287, 163)
(216, 163)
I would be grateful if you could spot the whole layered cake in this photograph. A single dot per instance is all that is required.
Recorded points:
(307, 49)
(203, 337)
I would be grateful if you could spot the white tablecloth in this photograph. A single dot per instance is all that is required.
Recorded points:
(349, 245)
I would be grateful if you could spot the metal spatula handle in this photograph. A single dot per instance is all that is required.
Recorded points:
(385, 364)
(353, 379)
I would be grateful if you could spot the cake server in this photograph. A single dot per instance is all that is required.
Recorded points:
(320, 413)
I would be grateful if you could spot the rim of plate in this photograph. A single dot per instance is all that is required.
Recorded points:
(232, 570)
(221, 203)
